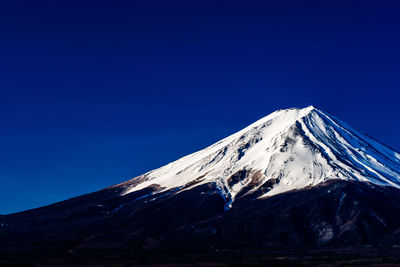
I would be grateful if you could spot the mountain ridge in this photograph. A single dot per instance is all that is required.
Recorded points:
(296, 183)
(317, 130)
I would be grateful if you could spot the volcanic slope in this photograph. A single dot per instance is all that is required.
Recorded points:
(286, 150)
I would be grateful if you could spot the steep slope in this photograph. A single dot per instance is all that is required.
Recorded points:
(288, 149)
(296, 182)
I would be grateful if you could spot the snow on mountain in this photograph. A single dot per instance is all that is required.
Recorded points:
(286, 150)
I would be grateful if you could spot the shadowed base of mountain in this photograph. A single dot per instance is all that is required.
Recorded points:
(354, 256)
(337, 221)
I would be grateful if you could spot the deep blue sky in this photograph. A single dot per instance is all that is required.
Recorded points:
(95, 92)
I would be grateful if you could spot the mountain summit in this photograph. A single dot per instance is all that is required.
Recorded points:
(286, 150)
(297, 184)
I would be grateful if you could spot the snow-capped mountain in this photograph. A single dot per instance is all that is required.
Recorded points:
(286, 150)
(298, 178)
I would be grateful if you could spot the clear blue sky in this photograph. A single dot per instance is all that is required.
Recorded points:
(95, 92)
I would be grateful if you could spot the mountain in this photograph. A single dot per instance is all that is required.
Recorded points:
(286, 150)
(298, 183)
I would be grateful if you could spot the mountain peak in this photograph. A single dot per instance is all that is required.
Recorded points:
(287, 150)
(289, 115)
(310, 107)
(331, 186)
(305, 109)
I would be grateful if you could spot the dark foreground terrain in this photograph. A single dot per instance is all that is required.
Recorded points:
(336, 223)
(284, 257)
(351, 256)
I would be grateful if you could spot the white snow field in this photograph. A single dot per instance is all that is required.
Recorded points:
(295, 147)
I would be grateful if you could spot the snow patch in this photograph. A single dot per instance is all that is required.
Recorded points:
(293, 149)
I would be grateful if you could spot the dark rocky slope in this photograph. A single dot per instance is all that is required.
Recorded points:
(333, 216)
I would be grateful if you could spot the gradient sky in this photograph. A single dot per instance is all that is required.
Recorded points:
(95, 92)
